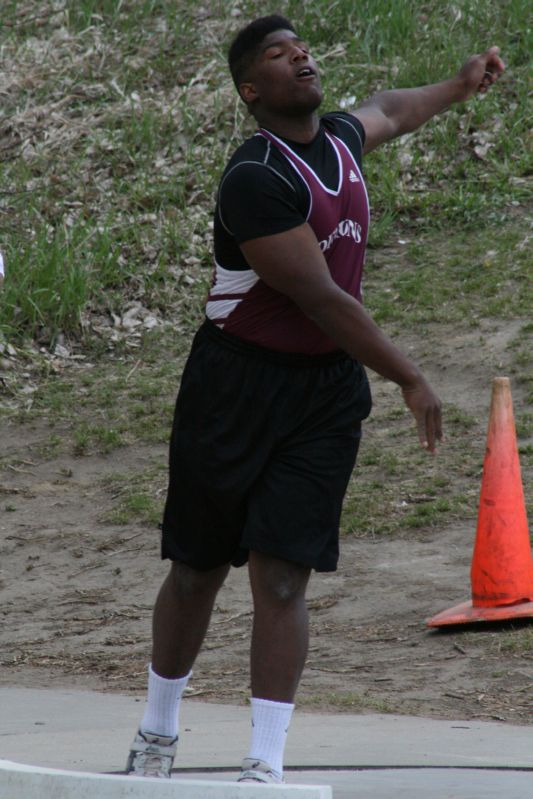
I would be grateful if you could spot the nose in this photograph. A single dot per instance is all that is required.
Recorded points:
(298, 53)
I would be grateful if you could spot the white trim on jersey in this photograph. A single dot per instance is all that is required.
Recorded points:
(284, 145)
(242, 163)
(361, 178)
(228, 281)
(304, 181)
(351, 125)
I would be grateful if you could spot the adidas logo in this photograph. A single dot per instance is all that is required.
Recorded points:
(353, 177)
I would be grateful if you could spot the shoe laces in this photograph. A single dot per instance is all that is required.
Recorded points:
(151, 764)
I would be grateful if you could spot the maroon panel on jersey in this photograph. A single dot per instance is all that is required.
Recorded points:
(339, 218)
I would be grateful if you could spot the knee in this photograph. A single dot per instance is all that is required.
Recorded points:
(287, 588)
(279, 582)
(188, 581)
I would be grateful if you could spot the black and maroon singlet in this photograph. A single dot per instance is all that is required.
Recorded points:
(271, 185)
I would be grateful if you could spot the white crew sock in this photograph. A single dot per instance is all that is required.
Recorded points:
(161, 715)
(270, 724)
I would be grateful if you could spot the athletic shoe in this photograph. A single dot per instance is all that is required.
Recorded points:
(257, 771)
(151, 755)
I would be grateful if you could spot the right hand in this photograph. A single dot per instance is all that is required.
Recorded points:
(481, 71)
(426, 408)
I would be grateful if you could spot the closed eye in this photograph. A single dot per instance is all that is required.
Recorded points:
(271, 52)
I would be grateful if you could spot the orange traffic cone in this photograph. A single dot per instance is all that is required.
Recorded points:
(502, 566)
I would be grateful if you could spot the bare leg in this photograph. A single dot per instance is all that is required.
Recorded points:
(181, 617)
(280, 630)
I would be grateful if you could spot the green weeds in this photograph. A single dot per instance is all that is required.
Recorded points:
(115, 125)
(115, 135)
(91, 437)
(137, 497)
(386, 497)
(115, 401)
(463, 276)
(135, 507)
(517, 642)
(348, 700)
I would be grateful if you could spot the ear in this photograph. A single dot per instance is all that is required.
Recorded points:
(248, 92)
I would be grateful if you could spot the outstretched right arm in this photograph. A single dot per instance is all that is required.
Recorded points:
(392, 113)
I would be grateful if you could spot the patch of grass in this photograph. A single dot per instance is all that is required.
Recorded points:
(427, 514)
(116, 133)
(517, 642)
(114, 129)
(50, 448)
(521, 348)
(138, 496)
(47, 284)
(458, 419)
(348, 700)
(467, 275)
(374, 507)
(526, 454)
(395, 489)
(96, 438)
(136, 507)
(115, 402)
(524, 424)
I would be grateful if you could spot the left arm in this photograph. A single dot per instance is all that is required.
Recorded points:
(389, 114)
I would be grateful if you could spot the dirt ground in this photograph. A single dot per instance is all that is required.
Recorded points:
(77, 592)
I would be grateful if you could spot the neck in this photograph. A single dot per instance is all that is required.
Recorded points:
(298, 129)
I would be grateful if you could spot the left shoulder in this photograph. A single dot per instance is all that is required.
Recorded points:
(348, 128)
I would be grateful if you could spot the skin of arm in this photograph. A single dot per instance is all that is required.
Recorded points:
(293, 264)
(392, 113)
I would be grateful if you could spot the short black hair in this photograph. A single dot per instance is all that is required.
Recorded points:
(246, 43)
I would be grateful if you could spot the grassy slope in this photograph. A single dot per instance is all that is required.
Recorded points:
(117, 118)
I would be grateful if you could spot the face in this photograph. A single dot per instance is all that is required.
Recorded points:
(284, 77)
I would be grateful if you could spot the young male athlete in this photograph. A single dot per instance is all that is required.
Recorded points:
(269, 411)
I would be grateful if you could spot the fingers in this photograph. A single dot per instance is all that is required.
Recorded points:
(426, 408)
(493, 56)
(494, 63)
(494, 67)
(486, 82)
(429, 428)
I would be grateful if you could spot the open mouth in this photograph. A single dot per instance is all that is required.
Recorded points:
(305, 72)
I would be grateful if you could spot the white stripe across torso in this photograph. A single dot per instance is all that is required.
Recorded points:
(228, 281)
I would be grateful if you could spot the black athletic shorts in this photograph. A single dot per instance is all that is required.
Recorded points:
(263, 445)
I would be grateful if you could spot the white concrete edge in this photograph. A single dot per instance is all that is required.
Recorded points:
(20, 781)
